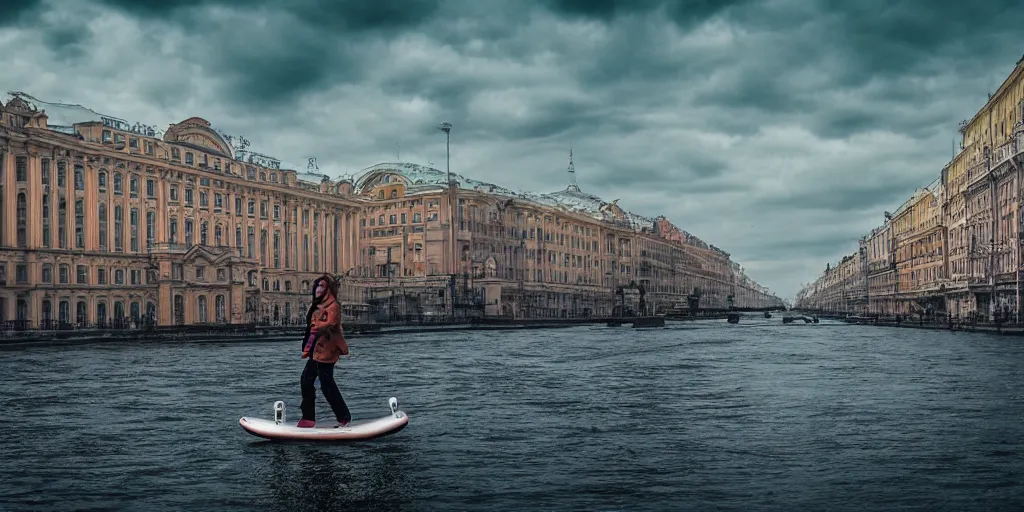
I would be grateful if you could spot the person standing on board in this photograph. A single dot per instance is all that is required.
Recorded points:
(323, 344)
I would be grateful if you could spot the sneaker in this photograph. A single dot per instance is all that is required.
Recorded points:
(342, 424)
(306, 424)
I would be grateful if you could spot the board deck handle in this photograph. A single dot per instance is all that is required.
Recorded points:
(393, 404)
(279, 412)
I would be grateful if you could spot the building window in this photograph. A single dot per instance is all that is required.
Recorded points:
(150, 229)
(203, 233)
(62, 223)
(79, 177)
(217, 231)
(118, 228)
(133, 223)
(80, 313)
(21, 273)
(219, 307)
(64, 273)
(102, 213)
(174, 192)
(81, 274)
(101, 181)
(79, 224)
(201, 308)
(47, 276)
(173, 228)
(22, 216)
(118, 184)
(200, 273)
(150, 188)
(46, 220)
(21, 169)
(101, 276)
(263, 247)
(277, 249)
(189, 158)
(62, 175)
(188, 232)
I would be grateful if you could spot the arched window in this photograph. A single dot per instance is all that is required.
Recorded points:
(220, 309)
(101, 313)
(64, 311)
(81, 314)
(179, 310)
(47, 314)
(173, 229)
(201, 308)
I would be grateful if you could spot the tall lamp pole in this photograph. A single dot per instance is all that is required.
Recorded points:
(446, 127)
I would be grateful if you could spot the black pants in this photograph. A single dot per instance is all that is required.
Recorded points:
(330, 390)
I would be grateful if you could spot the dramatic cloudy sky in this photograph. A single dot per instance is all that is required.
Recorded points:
(779, 130)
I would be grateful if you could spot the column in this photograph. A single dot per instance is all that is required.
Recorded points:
(92, 221)
(8, 208)
(33, 193)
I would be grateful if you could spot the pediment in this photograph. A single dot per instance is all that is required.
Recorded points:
(201, 254)
(197, 131)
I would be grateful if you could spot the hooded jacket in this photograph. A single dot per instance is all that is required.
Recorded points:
(324, 325)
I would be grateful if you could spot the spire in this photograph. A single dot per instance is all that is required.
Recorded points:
(573, 186)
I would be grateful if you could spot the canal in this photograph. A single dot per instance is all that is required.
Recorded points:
(703, 415)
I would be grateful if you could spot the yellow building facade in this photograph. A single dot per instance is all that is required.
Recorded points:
(958, 253)
(105, 223)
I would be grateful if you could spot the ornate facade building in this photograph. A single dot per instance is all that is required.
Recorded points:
(102, 222)
(955, 245)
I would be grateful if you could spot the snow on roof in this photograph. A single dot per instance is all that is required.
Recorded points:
(62, 115)
(422, 178)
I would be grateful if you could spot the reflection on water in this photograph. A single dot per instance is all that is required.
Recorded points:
(753, 416)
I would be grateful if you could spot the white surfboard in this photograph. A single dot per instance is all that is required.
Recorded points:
(281, 429)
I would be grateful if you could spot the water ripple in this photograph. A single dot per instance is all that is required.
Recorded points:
(755, 416)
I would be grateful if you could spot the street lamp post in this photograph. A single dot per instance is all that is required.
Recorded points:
(446, 127)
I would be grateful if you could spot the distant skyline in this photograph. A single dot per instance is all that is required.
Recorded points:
(779, 131)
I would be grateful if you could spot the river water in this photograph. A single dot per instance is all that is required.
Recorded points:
(697, 416)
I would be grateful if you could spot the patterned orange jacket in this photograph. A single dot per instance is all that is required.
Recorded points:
(326, 323)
